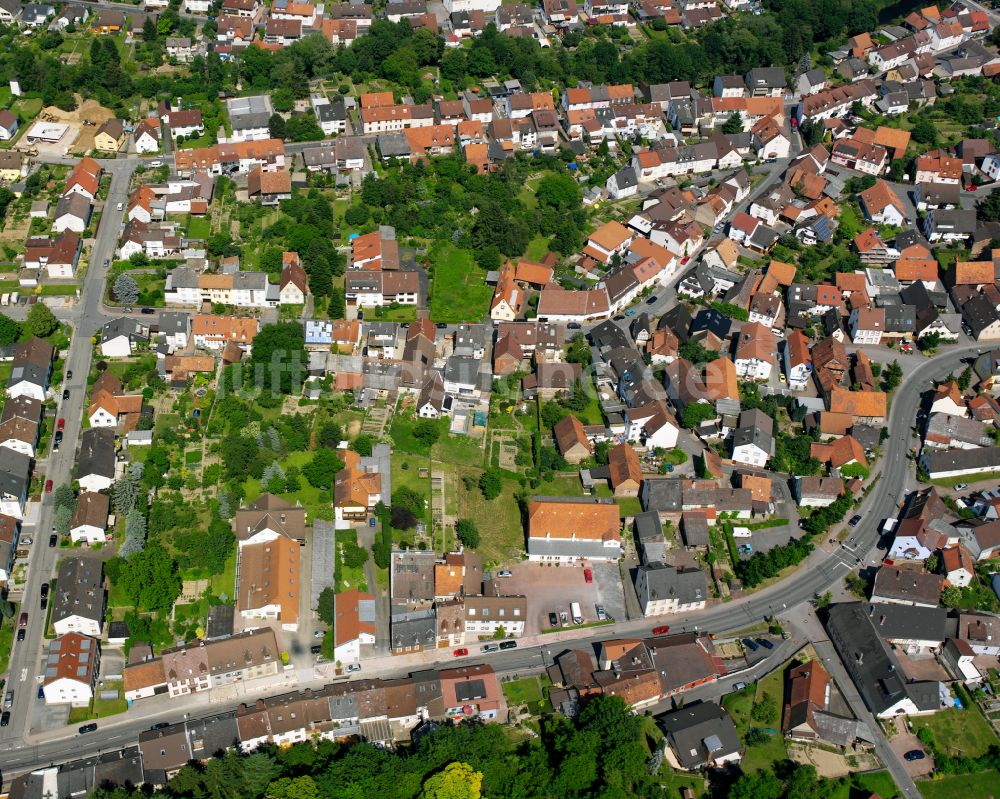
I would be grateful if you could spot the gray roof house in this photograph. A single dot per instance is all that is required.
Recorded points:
(15, 476)
(97, 464)
(664, 589)
(119, 336)
(873, 666)
(414, 631)
(702, 734)
(649, 531)
(78, 601)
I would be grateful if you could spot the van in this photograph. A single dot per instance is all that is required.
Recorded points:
(576, 613)
(5, 299)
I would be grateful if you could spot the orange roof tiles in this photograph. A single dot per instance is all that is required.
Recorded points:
(563, 519)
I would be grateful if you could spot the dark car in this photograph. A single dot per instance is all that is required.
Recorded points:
(750, 645)
(764, 643)
(508, 644)
(574, 326)
(57, 439)
(53, 540)
(914, 754)
(44, 591)
(44, 602)
(147, 311)
(65, 393)
(21, 634)
(88, 728)
(553, 620)
(5, 718)
(441, 325)
(855, 519)
(652, 299)
(160, 725)
(41, 692)
(315, 649)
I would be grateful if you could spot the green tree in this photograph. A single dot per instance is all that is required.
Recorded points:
(276, 126)
(292, 788)
(322, 469)
(363, 444)
(467, 533)
(427, 432)
(126, 290)
(892, 375)
(490, 483)
(733, 125)
(10, 331)
(325, 606)
(279, 357)
(696, 352)
(559, 190)
(149, 579)
(578, 351)
(989, 207)
(40, 322)
(329, 435)
(456, 781)
(695, 413)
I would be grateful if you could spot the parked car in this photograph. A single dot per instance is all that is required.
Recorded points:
(5, 718)
(53, 540)
(354, 667)
(315, 649)
(69, 374)
(914, 754)
(750, 645)
(160, 725)
(505, 573)
(61, 424)
(855, 519)
(48, 486)
(27, 541)
(764, 643)
(461, 653)
(21, 634)
(41, 692)
(574, 326)
(961, 486)
(88, 728)
(508, 644)
(23, 621)
(8, 700)
(487, 648)
(553, 620)
(601, 613)
(588, 576)
(663, 629)
(44, 603)
(147, 310)
(652, 300)
(65, 393)
(563, 618)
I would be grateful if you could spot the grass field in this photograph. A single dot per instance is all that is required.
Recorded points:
(959, 732)
(225, 583)
(316, 501)
(967, 785)
(739, 705)
(59, 289)
(527, 691)
(875, 782)
(27, 107)
(498, 520)
(458, 290)
(538, 248)
(99, 709)
(7, 639)
(199, 227)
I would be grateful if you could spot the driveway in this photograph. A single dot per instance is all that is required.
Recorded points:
(905, 741)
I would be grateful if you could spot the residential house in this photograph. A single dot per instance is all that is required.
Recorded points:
(570, 530)
(664, 589)
(90, 518)
(121, 336)
(78, 599)
(701, 735)
(907, 587)
(70, 670)
(97, 464)
(268, 581)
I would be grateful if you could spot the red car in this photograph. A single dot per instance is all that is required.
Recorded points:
(685, 259)
(48, 486)
(23, 621)
(588, 575)
(461, 653)
(60, 424)
(661, 630)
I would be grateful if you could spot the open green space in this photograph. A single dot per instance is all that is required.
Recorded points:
(528, 691)
(199, 227)
(959, 732)
(537, 248)
(458, 290)
(739, 704)
(316, 501)
(99, 708)
(962, 785)
(498, 520)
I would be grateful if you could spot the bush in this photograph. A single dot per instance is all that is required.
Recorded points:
(467, 533)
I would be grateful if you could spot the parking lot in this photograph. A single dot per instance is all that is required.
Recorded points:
(553, 588)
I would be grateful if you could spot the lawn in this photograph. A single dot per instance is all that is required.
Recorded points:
(59, 289)
(458, 449)
(346, 577)
(199, 227)
(498, 520)
(527, 691)
(873, 782)
(406, 474)
(538, 248)
(765, 755)
(397, 313)
(6, 639)
(984, 784)
(739, 705)
(5, 96)
(959, 732)
(561, 487)
(99, 709)
(27, 107)
(225, 584)
(318, 502)
(401, 432)
(458, 291)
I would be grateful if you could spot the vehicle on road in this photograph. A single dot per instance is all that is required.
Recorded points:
(8, 700)
(160, 725)
(61, 424)
(553, 619)
(319, 633)
(147, 310)
(961, 486)
(23, 621)
(739, 686)
(88, 728)
(764, 643)
(663, 629)
(315, 649)
(630, 312)
(354, 667)
(487, 648)
(508, 644)
(855, 519)
(121, 206)
(48, 486)
(574, 326)
(157, 162)
(5, 718)
(461, 653)
(21, 634)
(53, 540)
(41, 693)
(65, 393)
(57, 439)
(652, 300)
(69, 374)
(749, 644)
(914, 754)
(588, 576)
(44, 602)
(505, 573)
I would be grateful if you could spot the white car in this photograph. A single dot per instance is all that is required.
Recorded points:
(961, 486)
(156, 163)
(27, 541)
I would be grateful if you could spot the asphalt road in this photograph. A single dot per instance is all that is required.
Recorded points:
(87, 318)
